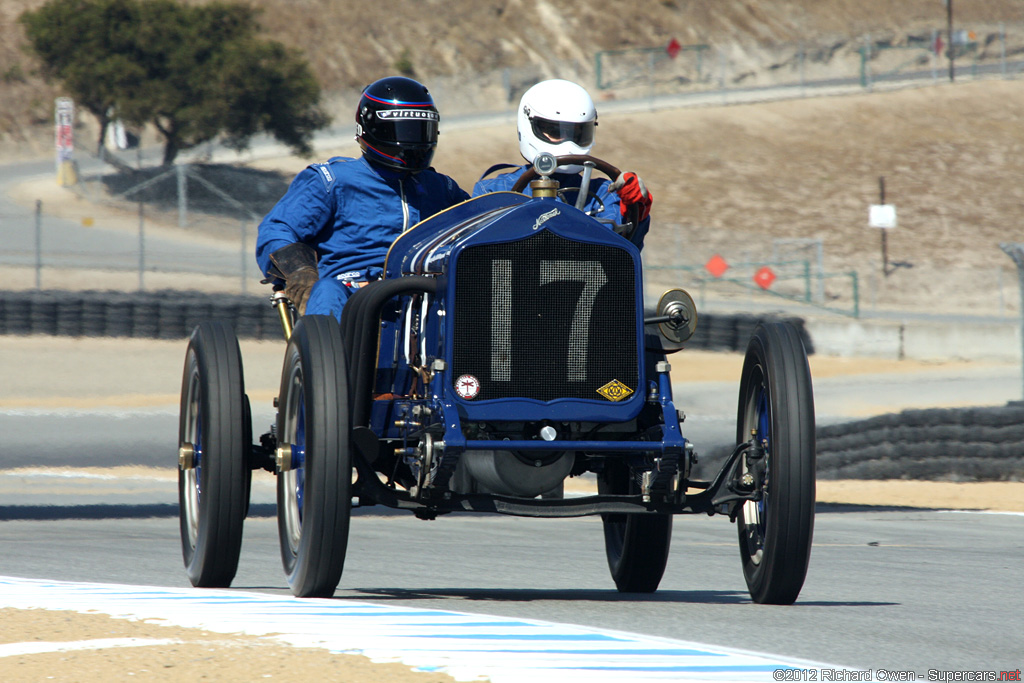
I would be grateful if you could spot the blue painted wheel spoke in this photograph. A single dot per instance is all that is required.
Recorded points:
(299, 454)
(198, 449)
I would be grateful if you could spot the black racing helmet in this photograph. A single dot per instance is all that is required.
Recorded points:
(396, 124)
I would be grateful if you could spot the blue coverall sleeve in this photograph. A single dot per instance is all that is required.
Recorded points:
(300, 215)
(456, 194)
(499, 183)
(613, 212)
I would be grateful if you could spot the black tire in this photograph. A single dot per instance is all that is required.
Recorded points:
(777, 400)
(213, 494)
(314, 498)
(637, 545)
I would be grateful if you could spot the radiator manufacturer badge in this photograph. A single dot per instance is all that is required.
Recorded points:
(615, 390)
(544, 218)
(467, 386)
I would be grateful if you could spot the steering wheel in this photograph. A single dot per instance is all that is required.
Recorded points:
(593, 211)
(611, 172)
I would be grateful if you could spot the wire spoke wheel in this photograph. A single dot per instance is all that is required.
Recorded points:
(214, 435)
(314, 489)
(776, 411)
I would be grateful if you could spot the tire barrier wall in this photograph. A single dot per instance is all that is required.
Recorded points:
(172, 314)
(731, 332)
(965, 444)
(167, 314)
(936, 444)
(948, 444)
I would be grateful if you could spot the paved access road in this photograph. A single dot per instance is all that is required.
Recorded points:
(66, 243)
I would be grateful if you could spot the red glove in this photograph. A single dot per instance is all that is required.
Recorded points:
(632, 191)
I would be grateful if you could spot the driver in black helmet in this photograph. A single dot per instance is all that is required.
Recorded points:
(331, 231)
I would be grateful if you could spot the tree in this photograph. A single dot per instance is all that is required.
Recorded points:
(193, 72)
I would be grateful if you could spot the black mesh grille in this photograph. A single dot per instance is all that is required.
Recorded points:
(545, 318)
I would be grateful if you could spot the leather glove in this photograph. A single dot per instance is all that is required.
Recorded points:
(631, 190)
(298, 286)
(297, 263)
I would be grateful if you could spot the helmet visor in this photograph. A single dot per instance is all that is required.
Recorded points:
(580, 133)
(410, 126)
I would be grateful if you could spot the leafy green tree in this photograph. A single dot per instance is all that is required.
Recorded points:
(85, 45)
(193, 72)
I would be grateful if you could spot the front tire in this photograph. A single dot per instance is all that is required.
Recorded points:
(776, 403)
(636, 545)
(314, 493)
(214, 478)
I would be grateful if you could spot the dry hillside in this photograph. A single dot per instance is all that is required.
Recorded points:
(470, 47)
(727, 179)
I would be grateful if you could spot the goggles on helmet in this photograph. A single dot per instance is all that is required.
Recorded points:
(580, 132)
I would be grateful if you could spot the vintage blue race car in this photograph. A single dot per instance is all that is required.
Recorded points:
(506, 349)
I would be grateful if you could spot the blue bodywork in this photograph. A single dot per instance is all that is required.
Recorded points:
(402, 388)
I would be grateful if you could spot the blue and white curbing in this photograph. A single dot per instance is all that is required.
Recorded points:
(468, 647)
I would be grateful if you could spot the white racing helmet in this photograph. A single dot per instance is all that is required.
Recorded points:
(557, 117)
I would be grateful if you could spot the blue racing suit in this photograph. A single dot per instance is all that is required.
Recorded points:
(350, 211)
(598, 186)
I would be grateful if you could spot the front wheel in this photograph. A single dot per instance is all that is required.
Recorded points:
(214, 435)
(637, 545)
(314, 486)
(776, 410)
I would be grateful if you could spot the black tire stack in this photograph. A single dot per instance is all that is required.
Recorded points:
(731, 331)
(165, 314)
(952, 444)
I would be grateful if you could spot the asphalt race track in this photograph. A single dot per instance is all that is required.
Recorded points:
(894, 589)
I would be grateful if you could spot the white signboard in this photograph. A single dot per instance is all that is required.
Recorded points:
(882, 216)
(64, 117)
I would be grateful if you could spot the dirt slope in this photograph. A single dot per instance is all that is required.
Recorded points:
(482, 48)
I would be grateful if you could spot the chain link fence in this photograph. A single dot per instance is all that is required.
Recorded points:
(991, 50)
(189, 226)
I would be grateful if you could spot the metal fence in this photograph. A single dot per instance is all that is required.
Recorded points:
(184, 227)
(866, 61)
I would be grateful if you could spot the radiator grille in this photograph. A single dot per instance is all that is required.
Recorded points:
(545, 318)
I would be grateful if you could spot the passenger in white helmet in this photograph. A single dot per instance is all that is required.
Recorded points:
(559, 117)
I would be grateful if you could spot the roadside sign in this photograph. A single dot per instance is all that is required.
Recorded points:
(882, 216)
(764, 277)
(64, 117)
(64, 140)
(717, 266)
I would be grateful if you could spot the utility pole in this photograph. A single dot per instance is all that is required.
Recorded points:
(885, 238)
(949, 31)
(1015, 250)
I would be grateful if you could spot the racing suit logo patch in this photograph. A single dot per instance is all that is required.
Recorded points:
(615, 390)
(326, 172)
